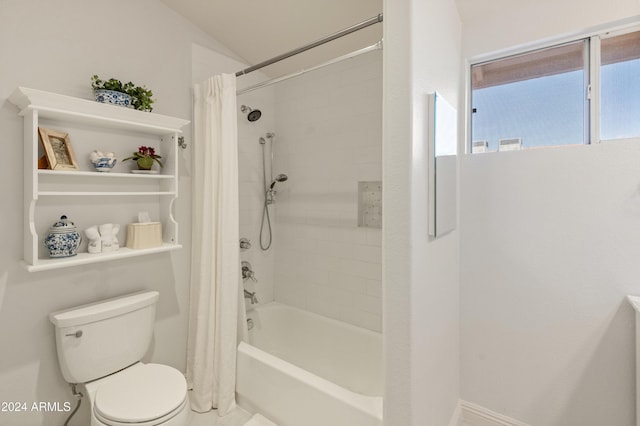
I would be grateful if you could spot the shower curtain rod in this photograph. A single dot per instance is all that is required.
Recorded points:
(354, 28)
(376, 46)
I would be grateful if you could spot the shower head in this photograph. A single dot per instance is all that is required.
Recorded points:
(279, 178)
(253, 114)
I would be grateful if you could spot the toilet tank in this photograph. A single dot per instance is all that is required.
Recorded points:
(101, 338)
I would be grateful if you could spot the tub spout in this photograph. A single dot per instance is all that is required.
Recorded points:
(251, 296)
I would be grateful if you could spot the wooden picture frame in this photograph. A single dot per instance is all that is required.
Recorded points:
(57, 149)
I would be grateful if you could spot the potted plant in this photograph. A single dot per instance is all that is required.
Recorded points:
(145, 157)
(115, 92)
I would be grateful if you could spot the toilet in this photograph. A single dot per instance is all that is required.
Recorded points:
(100, 346)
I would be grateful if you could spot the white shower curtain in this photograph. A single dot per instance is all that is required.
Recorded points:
(215, 267)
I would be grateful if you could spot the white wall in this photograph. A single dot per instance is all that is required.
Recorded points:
(56, 46)
(501, 24)
(549, 250)
(420, 275)
(328, 138)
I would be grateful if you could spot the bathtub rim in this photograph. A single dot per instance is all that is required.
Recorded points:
(370, 405)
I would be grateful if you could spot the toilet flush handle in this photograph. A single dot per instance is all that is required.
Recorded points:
(76, 334)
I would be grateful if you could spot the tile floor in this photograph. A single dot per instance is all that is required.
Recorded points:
(237, 417)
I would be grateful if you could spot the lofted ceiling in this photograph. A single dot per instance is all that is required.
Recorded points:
(257, 30)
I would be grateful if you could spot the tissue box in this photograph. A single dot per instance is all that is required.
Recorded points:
(144, 235)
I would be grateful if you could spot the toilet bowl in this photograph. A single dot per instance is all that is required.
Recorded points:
(100, 346)
(142, 395)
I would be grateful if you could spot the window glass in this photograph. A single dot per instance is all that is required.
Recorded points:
(620, 87)
(529, 100)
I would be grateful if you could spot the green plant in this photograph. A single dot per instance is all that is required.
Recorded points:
(145, 156)
(141, 96)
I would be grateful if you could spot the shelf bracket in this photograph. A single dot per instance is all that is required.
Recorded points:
(181, 143)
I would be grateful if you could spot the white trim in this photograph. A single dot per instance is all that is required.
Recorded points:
(614, 32)
(468, 113)
(594, 95)
(632, 139)
(475, 415)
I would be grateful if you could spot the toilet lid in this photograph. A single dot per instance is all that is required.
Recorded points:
(142, 394)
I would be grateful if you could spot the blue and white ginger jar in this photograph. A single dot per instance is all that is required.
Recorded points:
(63, 239)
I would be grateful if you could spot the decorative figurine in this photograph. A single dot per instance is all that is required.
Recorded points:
(115, 244)
(95, 244)
(106, 236)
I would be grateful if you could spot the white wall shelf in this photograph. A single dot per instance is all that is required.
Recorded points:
(97, 175)
(100, 193)
(86, 258)
(66, 108)
(88, 194)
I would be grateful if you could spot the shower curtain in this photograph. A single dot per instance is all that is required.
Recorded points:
(215, 298)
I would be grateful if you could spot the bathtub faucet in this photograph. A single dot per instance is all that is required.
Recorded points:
(251, 296)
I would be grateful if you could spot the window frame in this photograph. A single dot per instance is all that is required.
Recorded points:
(592, 60)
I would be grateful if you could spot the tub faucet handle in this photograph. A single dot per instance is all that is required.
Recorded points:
(247, 273)
(245, 243)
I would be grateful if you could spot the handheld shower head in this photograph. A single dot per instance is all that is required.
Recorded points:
(279, 178)
(253, 114)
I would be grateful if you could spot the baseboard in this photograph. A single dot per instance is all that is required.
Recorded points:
(470, 414)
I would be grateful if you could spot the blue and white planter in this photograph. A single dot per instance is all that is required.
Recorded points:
(103, 162)
(63, 239)
(113, 97)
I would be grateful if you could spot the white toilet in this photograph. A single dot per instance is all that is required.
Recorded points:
(100, 346)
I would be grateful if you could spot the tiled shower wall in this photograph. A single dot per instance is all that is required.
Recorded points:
(251, 185)
(328, 138)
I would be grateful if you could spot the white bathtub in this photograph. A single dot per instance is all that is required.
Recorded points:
(303, 369)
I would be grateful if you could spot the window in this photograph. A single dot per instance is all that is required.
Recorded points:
(545, 97)
(620, 87)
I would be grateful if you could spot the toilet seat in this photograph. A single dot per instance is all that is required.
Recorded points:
(143, 395)
(159, 421)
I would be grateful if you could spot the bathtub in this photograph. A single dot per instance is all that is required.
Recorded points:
(300, 368)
